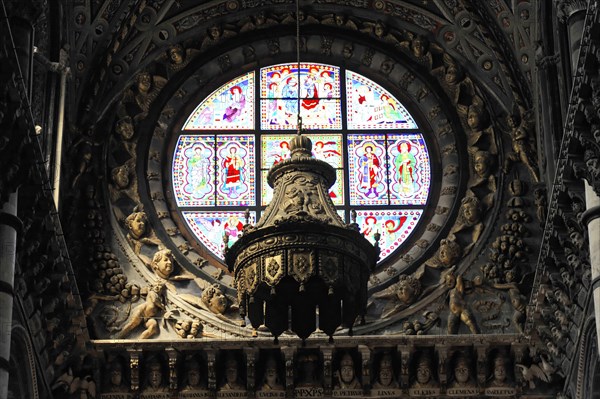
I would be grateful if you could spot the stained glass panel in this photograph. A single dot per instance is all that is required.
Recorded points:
(326, 147)
(366, 159)
(209, 228)
(227, 108)
(193, 171)
(236, 170)
(370, 106)
(394, 226)
(317, 81)
(281, 114)
(410, 174)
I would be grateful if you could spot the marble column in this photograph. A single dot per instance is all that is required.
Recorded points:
(591, 218)
(10, 224)
(572, 14)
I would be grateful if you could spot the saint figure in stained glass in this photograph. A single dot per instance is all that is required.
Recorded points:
(233, 226)
(393, 230)
(369, 170)
(235, 105)
(326, 151)
(369, 228)
(234, 169)
(310, 92)
(405, 163)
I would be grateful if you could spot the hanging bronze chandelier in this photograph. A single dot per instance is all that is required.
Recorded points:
(301, 264)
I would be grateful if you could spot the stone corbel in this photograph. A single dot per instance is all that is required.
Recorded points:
(443, 353)
(288, 355)
(211, 356)
(482, 354)
(327, 353)
(250, 355)
(519, 355)
(405, 353)
(365, 354)
(134, 368)
(172, 354)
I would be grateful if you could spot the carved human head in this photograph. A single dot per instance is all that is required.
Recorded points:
(214, 299)
(116, 373)
(120, 176)
(154, 374)
(215, 32)
(144, 81)
(408, 289)
(462, 369)
(419, 46)
(482, 163)
(192, 372)
(500, 372)
(136, 224)
(176, 54)
(231, 369)
(424, 369)
(124, 128)
(386, 370)
(162, 263)
(449, 252)
(347, 368)
(470, 211)
(271, 371)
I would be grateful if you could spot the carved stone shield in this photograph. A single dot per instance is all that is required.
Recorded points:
(273, 269)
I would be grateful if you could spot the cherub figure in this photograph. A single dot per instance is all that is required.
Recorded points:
(402, 294)
(523, 150)
(147, 312)
(469, 217)
(214, 299)
(179, 57)
(146, 89)
(459, 311)
(138, 233)
(215, 34)
(447, 255)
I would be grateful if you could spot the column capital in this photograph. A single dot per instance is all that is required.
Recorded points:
(566, 8)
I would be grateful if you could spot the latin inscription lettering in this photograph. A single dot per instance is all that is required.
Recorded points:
(315, 392)
(194, 394)
(340, 393)
(270, 394)
(427, 392)
(463, 391)
(500, 391)
(393, 393)
(232, 394)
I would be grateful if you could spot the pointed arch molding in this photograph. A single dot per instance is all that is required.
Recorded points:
(146, 33)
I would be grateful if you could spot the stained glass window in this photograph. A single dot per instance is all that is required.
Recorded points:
(221, 160)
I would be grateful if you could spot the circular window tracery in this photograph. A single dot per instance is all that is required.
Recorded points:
(380, 155)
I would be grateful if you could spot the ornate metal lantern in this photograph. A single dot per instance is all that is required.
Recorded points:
(301, 262)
